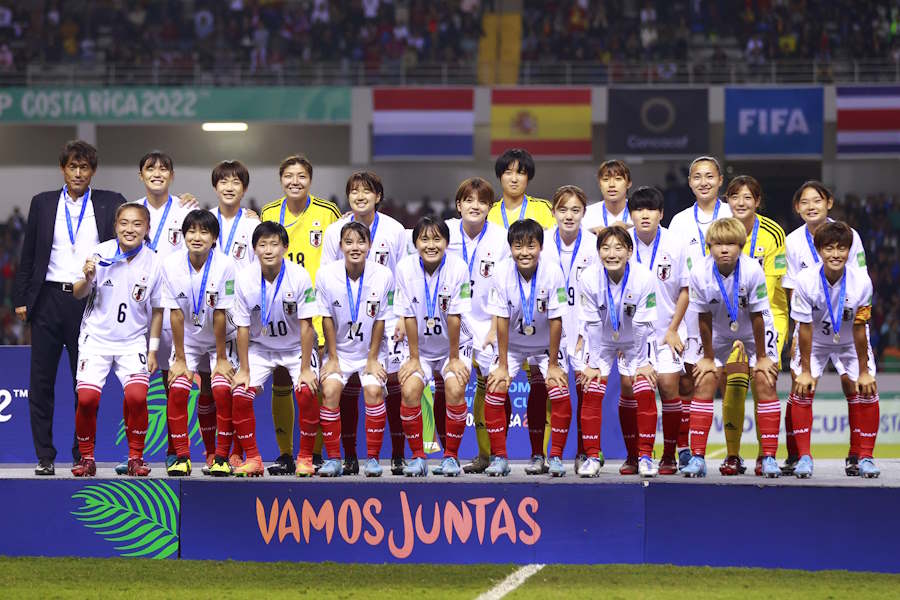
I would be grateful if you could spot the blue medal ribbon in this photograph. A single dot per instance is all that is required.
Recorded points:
(431, 301)
(162, 222)
(812, 245)
(471, 261)
(527, 303)
(753, 238)
(637, 248)
(574, 255)
(697, 221)
(521, 210)
(265, 314)
(354, 306)
(731, 303)
(624, 215)
(226, 249)
(197, 302)
(842, 297)
(120, 256)
(614, 306)
(84, 203)
(372, 231)
(284, 209)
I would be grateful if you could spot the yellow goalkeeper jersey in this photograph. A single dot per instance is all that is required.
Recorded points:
(768, 249)
(536, 208)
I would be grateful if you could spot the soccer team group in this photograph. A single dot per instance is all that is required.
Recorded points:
(334, 306)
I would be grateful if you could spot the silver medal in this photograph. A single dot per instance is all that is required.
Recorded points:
(733, 326)
(197, 321)
(836, 338)
(528, 330)
(430, 322)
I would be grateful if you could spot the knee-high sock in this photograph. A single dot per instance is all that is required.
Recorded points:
(701, 421)
(179, 392)
(393, 401)
(868, 425)
(244, 419)
(221, 391)
(736, 386)
(789, 428)
(768, 424)
(684, 430)
(671, 423)
(206, 418)
(439, 409)
(330, 422)
(283, 417)
(537, 410)
(560, 418)
(646, 417)
(800, 408)
(854, 412)
(136, 428)
(456, 426)
(495, 422)
(628, 422)
(350, 416)
(592, 417)
(481, 434)
(412, 428)
(308, 413)
(86, 418)
(579, 394)
(376, 417)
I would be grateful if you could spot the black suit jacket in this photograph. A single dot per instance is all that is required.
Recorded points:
(39, 239)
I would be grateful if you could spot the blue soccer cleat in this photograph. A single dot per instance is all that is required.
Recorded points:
(499, 467)
(684, 457)
(122, 468)
(696, 467)
(803, 468)
(770, 467)
(557, 469)
(450, 467)
(331, 468)
(417, 467)
(868, 469)
(372, 468)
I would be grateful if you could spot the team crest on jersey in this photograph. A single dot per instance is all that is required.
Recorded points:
(289, 303)
(578, 271)
(629, 307)
(139, 292)
(663, 271)
(315, 238)
(743, 299)
(847, 314)
(444, 300)
(542, 301)
(381, 257)
(240, 250)
(486, 268)
(212, 298)
(372, 307)
(174, 236)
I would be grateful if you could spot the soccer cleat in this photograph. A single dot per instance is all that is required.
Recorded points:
(86, 467)
(629, 467)
(733, 465)
(304, 467)
(696, 467)
(787, 467)
(537, 466)
(235, 460)
(868, 469)
(122, 468)
(317, 461)
(851, 465)
(579, 460)
(331, 468)
(180, 468)
(45, 468)
(398, 463)
(252, 467)
(417, 467)
(590, 467)
(170, 459)
(220, 467)
(684, 457)
(758, 470)
(138, 468)
(556, 467)
(283, 465)
(668, 465)
(351, 465)
(210, 459)
(803, 469)
(479, 464)
(450, 467)
(372, 468)
(438, 470)
(646, 467)
(499, 467)
(770, 467)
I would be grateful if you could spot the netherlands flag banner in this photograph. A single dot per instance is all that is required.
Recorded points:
(423, 123)
(868, 120)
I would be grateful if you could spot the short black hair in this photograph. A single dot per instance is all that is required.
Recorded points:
(295, 159)
(647, 197)
(368, 180)
(267, 228)
(429, 222)
(833, 232)
(515, 155)
(202, 219)
(618, 232)
(78, 149)
(231, 168)
(156, 156)
(359, 228)
(524, 230)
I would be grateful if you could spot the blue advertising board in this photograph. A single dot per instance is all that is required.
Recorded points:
(774, 121)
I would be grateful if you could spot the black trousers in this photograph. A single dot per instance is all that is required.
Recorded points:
(55, 322)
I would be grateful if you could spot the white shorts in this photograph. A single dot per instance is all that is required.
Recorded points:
(166, 349)
(482, 359)
(693, 351)
(393, 354)
(440, 365)
(351, 368)
(516, 359)
(663, 359)
(579, 360)
(722, 348)
(93, 369)
(194, 358)
(628, 362)
(263, 363)
(842, 357)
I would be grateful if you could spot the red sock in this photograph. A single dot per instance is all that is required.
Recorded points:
(136, 428)
(800, 409)
(768, 421)
(244, 419)
(854, 411)
(376, 416)
(645, 417)
(701, 421)
(870, 415)
(221, 391)
(412, 428)
(592, 417)
(350, 416)
(684, 430)
(507, 410)
(392, 402)
(537, 411)
(456, 426)
(671, 423)
(560, 418)
(308, 416)
(86, 418)
(439, 408)
(206, 417)
(330, 422)
(790, 428)
(236, 447)
(179, 392)
(495, 422)
(628, 422)
(579, 393)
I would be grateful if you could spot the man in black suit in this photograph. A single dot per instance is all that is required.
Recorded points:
(63, 227)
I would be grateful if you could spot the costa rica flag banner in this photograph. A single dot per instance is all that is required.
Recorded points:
(868, 120)
(423, 123)
(547, 122)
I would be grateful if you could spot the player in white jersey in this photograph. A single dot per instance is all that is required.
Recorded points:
(432, 292)
(230, 180)
(573, 248)
(275, 302)
(199, 293)
(614, 181)
(353, 298)
(364, 194)
(618, 308)
(832, 304)
(661, 252)
(729, 296)
(528, 299)
(705, 180)
(123, 280)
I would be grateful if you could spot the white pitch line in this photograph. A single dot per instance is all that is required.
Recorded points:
(717, 453)
(514, 580)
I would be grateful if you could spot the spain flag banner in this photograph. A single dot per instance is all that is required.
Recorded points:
(547, 122)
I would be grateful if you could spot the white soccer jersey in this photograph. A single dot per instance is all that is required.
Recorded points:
(668, 269)
(550, 299)
(555, 252)
(117, 316)
(482, 257)
(295, 299)
(240, 231)
(184, 289)
(636, 303)
(597, 215)
(166, 237)
(354, 335)
(453, 298)
(388, 242)
(808, 305)
(801, 254)
(706, 297)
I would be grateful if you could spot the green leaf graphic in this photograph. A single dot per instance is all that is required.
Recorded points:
(157, 440)
(140, 517)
